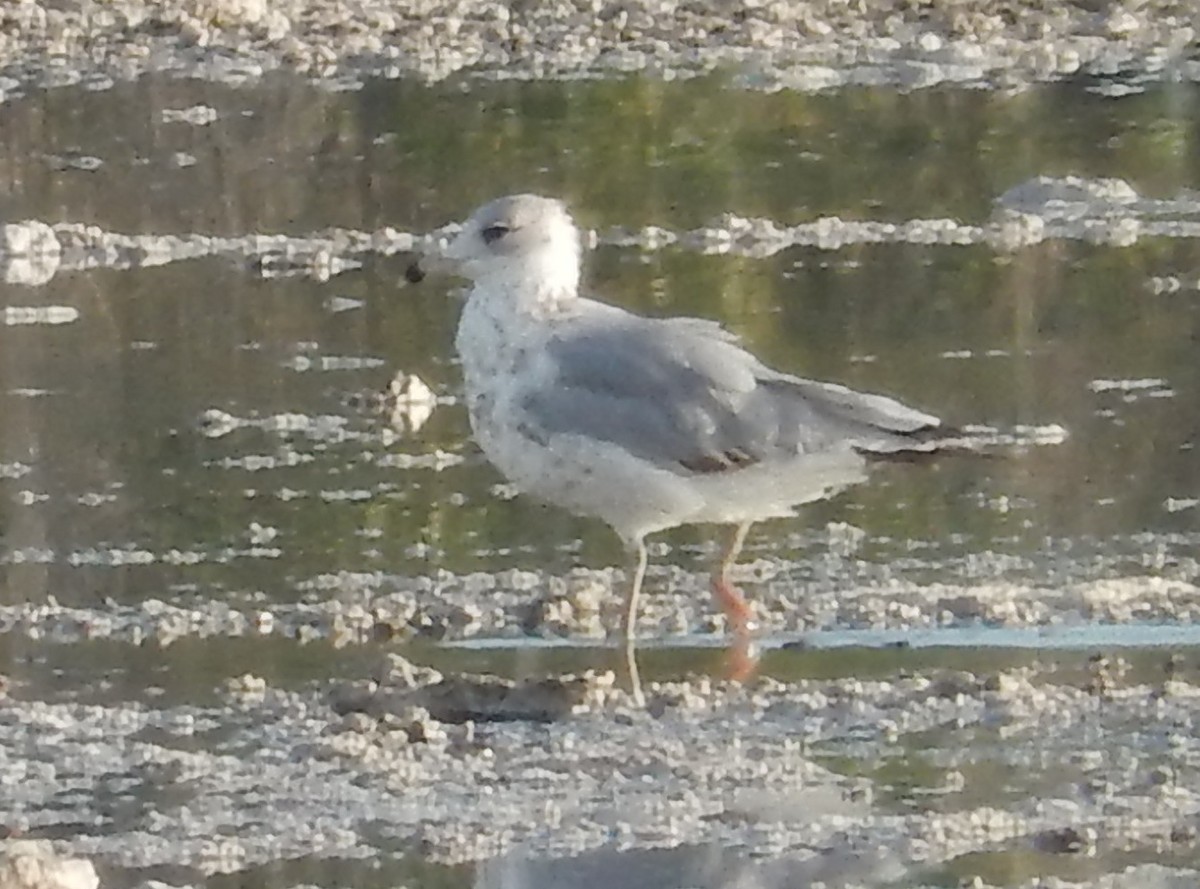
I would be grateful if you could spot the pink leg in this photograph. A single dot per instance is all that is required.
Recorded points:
(741, 660)
(727, 595)
(737, 612)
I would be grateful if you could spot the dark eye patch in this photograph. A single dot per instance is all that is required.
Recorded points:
(494, 233)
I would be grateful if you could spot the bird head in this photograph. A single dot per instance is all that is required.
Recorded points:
(523, 237)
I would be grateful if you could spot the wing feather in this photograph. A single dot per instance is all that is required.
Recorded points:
(681, 394)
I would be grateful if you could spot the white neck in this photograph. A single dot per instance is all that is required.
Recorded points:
(539, 281)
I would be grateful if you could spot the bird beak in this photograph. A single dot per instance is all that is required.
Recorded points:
(446, 260)
(415, 273)
(436, 263)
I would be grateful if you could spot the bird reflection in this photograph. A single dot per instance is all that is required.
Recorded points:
(691, 867)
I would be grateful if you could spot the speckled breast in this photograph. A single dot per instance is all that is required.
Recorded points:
(490, 345)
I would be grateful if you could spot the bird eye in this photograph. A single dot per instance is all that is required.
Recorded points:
(494, 233)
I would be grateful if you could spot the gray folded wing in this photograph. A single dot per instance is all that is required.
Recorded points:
(681, 394)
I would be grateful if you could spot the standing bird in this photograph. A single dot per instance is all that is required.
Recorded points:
(645, 423)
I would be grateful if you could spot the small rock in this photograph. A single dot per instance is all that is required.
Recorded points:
(1067, 840)
(32, 864)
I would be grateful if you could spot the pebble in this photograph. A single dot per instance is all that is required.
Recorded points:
(33, 864)
(820, 46)
(196, 115)
(21, 315)
(30, 253)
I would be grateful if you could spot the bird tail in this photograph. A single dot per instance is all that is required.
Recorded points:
(980, 440)
(822, 415)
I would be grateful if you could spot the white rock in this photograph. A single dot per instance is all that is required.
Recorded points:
(196, 115)
(929, 42)
(19, 315)
(32, 864)
(29, 252)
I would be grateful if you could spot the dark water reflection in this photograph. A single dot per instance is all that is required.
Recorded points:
(286, 155)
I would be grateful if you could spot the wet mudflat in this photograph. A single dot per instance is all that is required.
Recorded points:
(215, 527)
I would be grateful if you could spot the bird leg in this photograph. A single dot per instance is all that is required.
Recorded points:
(741, 660)
(632, 674)
(629, 620)
(737, 612)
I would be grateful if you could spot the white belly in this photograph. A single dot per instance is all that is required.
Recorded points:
(582, 475)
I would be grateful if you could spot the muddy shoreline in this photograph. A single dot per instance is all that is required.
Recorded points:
(767, 46)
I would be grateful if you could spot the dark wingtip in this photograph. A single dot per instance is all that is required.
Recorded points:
(414, 274)
(929, 443)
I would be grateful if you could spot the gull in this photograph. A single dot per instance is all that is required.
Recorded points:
(644, 423)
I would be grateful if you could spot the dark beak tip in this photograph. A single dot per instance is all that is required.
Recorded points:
(414, 274)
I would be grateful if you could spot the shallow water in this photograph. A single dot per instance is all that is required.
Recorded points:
(114, 492)
(108, 406)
